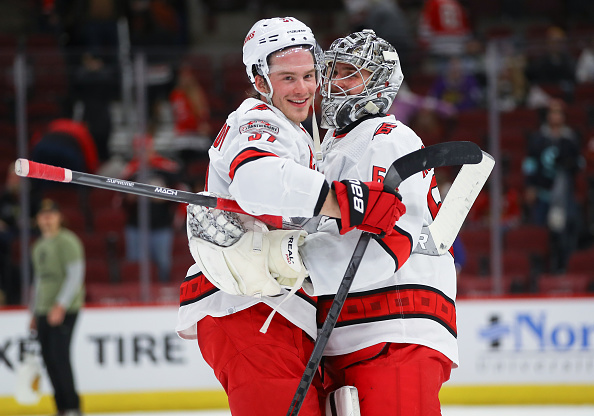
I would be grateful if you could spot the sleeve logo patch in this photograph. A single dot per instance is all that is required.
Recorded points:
(258, 125)
(260, 107)
(385, 128)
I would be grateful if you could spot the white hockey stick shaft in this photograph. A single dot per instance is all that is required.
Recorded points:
(441, 233)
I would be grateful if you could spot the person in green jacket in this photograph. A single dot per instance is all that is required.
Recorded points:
(59, 268)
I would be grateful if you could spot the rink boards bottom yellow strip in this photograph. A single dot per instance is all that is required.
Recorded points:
(217, 399)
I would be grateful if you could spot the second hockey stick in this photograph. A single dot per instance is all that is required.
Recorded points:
(439, 155)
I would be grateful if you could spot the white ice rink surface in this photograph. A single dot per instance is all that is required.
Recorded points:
(446, 411)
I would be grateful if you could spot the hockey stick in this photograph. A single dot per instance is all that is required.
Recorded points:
(439, 155)
(29, 169)
(438, 237)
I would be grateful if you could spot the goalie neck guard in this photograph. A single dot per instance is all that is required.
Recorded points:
(268, 36)
(364, 51)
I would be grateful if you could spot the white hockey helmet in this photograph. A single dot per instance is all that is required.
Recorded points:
(271, 35)
(363, 50)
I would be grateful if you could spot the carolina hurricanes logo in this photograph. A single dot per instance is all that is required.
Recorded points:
(260, 107)
(385, 128)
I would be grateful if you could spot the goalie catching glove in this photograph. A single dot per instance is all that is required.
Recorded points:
(368, 206)
(240, 256)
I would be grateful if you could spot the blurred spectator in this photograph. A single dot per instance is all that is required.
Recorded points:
(155, 30)
(584, 71)
(388, 21)
(96, 85)
(10, 282)
(457, 87)
(97, 26)
(191, 115)
(161, 172)
(407, 104)
(552, 161)
(444, 28)
(555, 66)
(58, 259)
(512, 84)
(68, 144)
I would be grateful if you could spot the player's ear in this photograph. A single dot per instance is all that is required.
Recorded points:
(261, 84)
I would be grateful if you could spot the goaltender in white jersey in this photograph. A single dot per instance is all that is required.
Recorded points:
(395, 338)
(396, 296)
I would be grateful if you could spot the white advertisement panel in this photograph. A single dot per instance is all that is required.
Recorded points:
(115, 350)
(542, 341)
(525, 341)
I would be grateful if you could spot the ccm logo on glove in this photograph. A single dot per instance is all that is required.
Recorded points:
(368, 206)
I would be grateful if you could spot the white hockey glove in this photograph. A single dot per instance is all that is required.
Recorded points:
(233, 252)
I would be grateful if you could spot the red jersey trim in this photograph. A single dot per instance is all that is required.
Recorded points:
(245, 156)
(398, 245)
(195, 288)
(393, 302)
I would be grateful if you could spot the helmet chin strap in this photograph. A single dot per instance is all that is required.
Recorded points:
(316, 133)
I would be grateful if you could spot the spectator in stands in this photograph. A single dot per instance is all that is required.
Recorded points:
(584, 71)
(68, 144)
(9, 229)
(97, 26)
(552, 161)
(95, 86)
(457, 87)
(444, 28)
(388, 21)
(59, 269)
(555, 67)
(161, 172)
(407, 104)
(191, 115)
(425, 114)
(512, 84)
(155, 30)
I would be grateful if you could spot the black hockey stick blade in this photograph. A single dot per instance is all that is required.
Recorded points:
(435, 156)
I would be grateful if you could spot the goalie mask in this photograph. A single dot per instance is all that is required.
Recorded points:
(268, 36)
(363, 51)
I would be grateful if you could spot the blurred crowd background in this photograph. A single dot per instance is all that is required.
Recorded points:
(138, 89)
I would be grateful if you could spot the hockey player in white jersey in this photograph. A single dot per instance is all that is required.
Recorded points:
(264, 159)
(395, 339)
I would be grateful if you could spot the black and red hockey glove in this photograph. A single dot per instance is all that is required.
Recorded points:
(368, 206)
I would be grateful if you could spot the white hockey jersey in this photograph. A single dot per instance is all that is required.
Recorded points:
(265, 162)
(396, 296)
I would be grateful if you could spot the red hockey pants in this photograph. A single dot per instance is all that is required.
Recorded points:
(259, 372)
(391, 379)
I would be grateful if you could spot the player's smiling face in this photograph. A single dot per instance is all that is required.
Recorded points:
(293, 78)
